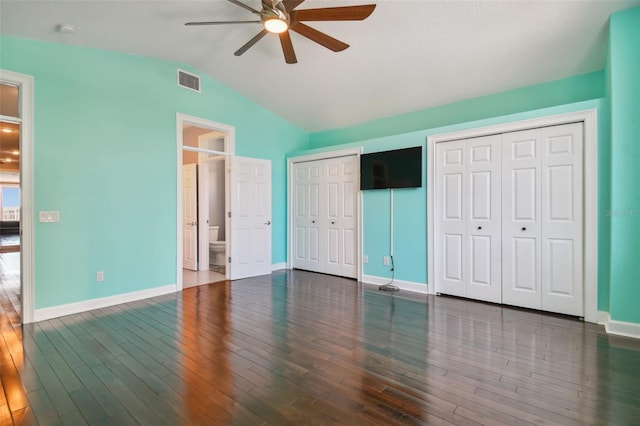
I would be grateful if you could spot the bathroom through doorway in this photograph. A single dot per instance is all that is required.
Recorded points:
(204, 198)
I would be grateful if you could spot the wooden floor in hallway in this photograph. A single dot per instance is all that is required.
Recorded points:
(303, 348)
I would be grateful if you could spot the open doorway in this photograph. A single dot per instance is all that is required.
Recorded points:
(16, 211)
(10, 282)
(204, 202)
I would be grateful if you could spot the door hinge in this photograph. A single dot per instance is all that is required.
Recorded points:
(229, 214)
(229, 259)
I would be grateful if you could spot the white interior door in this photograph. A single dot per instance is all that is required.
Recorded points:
(561, 216)
(306, 216)
(484, 269)
(324, 215)
(189, 217)
(451, 223)
(338, 206)
(250, 217)
(521, 230)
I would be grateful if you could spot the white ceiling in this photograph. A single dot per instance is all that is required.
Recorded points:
(407, 56)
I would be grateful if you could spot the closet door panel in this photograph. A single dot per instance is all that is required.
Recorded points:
(306, 202)
(340, 181)
(562, 221)
(451, 201)
(521, 230)
(484, 231)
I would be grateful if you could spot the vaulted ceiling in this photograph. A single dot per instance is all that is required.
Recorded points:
(407, 56)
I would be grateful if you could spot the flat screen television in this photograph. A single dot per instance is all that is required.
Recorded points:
(399, 168)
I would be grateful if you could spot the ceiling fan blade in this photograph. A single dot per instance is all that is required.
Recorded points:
(287, 48)
(346, 13)
(251, 42)
(289, 5)
(319, 37)
(221, 22)
(244, 6)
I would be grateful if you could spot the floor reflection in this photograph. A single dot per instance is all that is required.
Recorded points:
(302, 348)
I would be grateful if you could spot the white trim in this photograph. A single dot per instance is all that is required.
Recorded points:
(27, 274)
(230, 148)
(619, 328)
(278, 266)
(402, 285)
(589, 118)
(103, 302)
(323, 156)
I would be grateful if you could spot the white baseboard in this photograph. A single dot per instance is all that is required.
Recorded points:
(619, 328)
(402, 285)
(44, 314)
(278, 266)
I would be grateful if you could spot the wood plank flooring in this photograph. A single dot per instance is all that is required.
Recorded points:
(303, 348)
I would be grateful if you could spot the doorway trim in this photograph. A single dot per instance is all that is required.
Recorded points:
(230, 149)
(25, 83)
(589, 119)
(290, 190)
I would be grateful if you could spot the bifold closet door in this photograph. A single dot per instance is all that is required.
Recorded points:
(542, 219)
(324, 222)
(306, 215)
(468, 218)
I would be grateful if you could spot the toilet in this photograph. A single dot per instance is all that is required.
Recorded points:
(217, 249)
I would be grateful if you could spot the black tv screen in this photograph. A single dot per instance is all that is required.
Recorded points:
(400, 168)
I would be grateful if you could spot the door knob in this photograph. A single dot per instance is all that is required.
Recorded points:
(333, 222)
(479, 228)
(313, 221)
(268, 222)
(524, 229)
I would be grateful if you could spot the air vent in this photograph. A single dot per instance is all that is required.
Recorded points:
(188, 80)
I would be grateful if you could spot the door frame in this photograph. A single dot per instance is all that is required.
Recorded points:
(290, 190)
(230, 149)
(27, 274)
(589, 118)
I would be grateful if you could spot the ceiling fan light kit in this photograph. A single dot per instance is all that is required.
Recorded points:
(279, 16)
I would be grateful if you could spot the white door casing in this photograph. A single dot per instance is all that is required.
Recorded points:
(250, 217)
(190, 217)
(324, 215)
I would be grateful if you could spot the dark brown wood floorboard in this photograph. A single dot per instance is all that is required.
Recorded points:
(302, 348)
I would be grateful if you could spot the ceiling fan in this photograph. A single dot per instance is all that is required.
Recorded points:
(279, 16)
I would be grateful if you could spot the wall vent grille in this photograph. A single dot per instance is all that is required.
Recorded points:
(188, 80)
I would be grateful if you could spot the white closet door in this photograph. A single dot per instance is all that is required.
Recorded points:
(521, 230)
(324, 222)
(561, 166)
(484, 219)
(451, 205)
(306, 216)
(339, 221)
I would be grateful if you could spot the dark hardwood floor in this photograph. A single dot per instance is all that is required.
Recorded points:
(303, 348)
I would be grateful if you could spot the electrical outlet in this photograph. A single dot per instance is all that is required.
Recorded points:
(99, 276)
(385, 260)
(365, 259)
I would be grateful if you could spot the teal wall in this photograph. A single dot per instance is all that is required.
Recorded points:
(105, 157)
(624, 86)
(410, 235)
(560, 92)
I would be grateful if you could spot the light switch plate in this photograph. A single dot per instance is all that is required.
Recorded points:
(49, 216)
